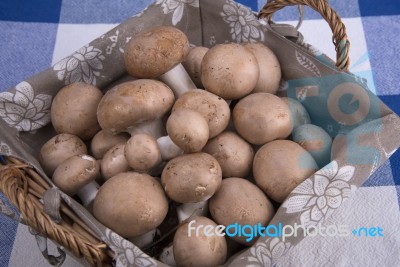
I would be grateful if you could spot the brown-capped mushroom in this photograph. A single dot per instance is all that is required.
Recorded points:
(213, 108)
(262, 117)
(58, 149)
(201, 250)
(229, 70)
(192, 64)
(76, 176)
(131, 204)
(233, 153)
(242, 202)
(129, 104)
(104, 141)
(158, 52)
(279, 166)
(114, 162)
(298, 113)
(191, 177)
(188, 129)
(269, 67)
(142, 152)
(74, 110)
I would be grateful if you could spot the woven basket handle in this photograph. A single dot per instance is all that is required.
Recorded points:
(339, 39)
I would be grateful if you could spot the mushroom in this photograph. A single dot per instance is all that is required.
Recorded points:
(76, 176)
(188, 129)
(129, 104)
(104, 141)
(158, 52)
(262, 117)
(316, 141)
(114, 162)
(131, 204)
(229, 71)
(142, 152)
(213, 108)
(191, 178)
(201, 250)
(192, 64)
(73, 110)
(58, 149)
(269, 68)
(185, 211)
(298, 113)
(242, 202)
(233, 153)
(279, 166)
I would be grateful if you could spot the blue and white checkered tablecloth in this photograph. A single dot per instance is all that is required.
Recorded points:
(36, 34)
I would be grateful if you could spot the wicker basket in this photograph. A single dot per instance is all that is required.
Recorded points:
(25, 188)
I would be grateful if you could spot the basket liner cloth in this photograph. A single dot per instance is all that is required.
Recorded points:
(365, 131)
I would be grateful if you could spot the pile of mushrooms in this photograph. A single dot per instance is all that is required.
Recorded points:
(198, 129)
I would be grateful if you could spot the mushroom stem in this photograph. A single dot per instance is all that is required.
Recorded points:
(154, 128)
(178, 80)
(88, 193)
(169, 149)
(144, 240)
(187, 210)
(167, 256)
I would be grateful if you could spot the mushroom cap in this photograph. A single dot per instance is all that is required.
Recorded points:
(104, 141)
(269, 67)
(240, 201)
(202, 250)
(114, 162)
(298, 113)
(74, 108)
(188, 129)
(213, 108)
(76, 172)
(192, 64)
(262, 117)
(142, 152)
(131, 204)
(279, 166)
(133, 102)
(191, 178)
(58, 149)
(155, 51)
(233, 153)
(316, 141)
(229, 70)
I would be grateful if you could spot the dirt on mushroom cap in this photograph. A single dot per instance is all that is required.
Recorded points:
(133, 102)
(131, 204)
(74, 110)
(279, 166)
(191, 178)
(213, 108)
(229, 70)
(153, 52)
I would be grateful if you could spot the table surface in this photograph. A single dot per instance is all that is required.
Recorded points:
(36, 34)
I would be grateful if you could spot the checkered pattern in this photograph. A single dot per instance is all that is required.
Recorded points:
(36, 34)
